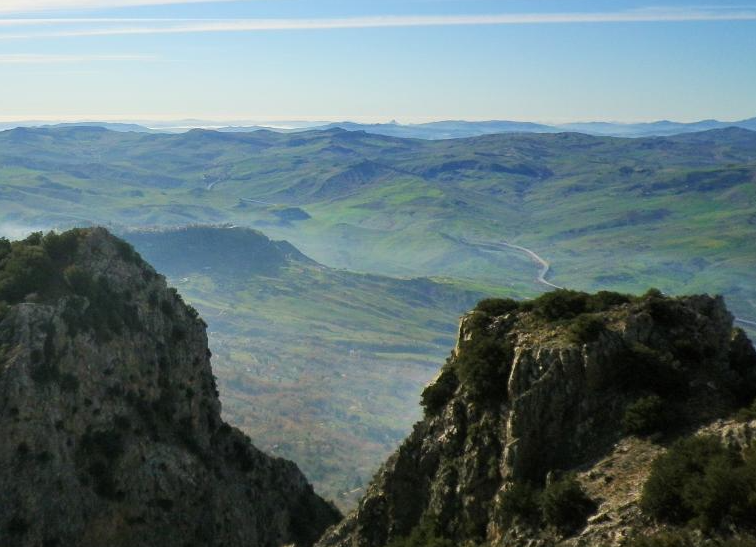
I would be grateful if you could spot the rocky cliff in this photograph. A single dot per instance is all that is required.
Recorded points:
(542, 427)
(110, 418)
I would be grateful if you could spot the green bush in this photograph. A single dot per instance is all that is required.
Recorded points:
(437, 394)
(482, 366)
(682, 538)
(645, 416)
(642, 369)
(560, 304)
(566, 304)
(520, 501)
(605, 300)
(565, 505)
(5, 248)
(61, 247)
(661, 539)
(99, 453)
(702, 482)
(79, 280)
(585, 329)
(425, 534)
(497, 306)
(747, 414)
(25, 270)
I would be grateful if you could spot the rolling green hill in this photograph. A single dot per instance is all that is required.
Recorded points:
(318, 365)
(607, 213)
(678, 213)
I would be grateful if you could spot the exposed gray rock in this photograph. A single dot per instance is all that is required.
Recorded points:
(111, 430)
(555, 403)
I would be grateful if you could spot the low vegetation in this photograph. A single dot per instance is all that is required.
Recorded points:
(683, 538)
(41, 268)
(702, 483)
(482, 364)
(425, 534)
(645, 416)
(565, 504)
(562, 505)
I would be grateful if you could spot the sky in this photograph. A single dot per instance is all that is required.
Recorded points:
(550, 61)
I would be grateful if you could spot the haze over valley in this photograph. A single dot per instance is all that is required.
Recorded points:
(361, 273)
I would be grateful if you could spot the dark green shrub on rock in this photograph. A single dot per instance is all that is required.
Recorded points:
(438, 393)
(482, 366)
(425, 534)
(565, 504)
(702, 482)
(497, 306)
(520, 501)
(661, 539)
(585, 329)
(25, 270)
(645, 416)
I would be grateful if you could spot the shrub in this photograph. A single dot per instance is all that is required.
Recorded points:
(664, 310)
(560, 304)
(63, 246)
(425, 534)
(99, 452)
(78, 280)
(5, 248)
(605, 300)
(27, 269)
(482, 366)
(682, 538)
(585, 328)
(644, 416)
(661, 539)
(702, 482)
(747, 414)
(564, 304)
(565, 505)
(640, 368)
(126, 251)
(520, 502)
(497, 306)
(437, 394)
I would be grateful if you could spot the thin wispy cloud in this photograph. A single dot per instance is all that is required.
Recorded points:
(41, 59)
(28, 6)
(114, 27)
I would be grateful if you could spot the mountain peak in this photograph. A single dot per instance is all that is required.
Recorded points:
(110, 416)
(535, 390)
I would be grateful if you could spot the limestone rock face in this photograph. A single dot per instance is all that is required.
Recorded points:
(553, 402)
(110, 422)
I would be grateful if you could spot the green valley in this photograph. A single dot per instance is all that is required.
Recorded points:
(317, 365)
(323, 364)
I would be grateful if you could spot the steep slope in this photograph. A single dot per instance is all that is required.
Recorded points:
(110, 417)
(317, 365)
(538, 389)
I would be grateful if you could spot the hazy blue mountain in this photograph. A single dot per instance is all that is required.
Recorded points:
(660, 128)
(676, 212)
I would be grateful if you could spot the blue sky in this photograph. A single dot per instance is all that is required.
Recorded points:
(377, 60)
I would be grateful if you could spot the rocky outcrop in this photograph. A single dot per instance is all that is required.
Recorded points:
(110, 418)
(537, 389)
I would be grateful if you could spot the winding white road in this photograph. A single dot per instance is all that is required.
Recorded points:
(545, 267)
(543, 264)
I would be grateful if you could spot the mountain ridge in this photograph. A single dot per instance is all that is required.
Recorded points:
(110, 414)
(539, 390)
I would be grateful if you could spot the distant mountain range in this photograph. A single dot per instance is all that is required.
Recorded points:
(353, 349)
(450, 129)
